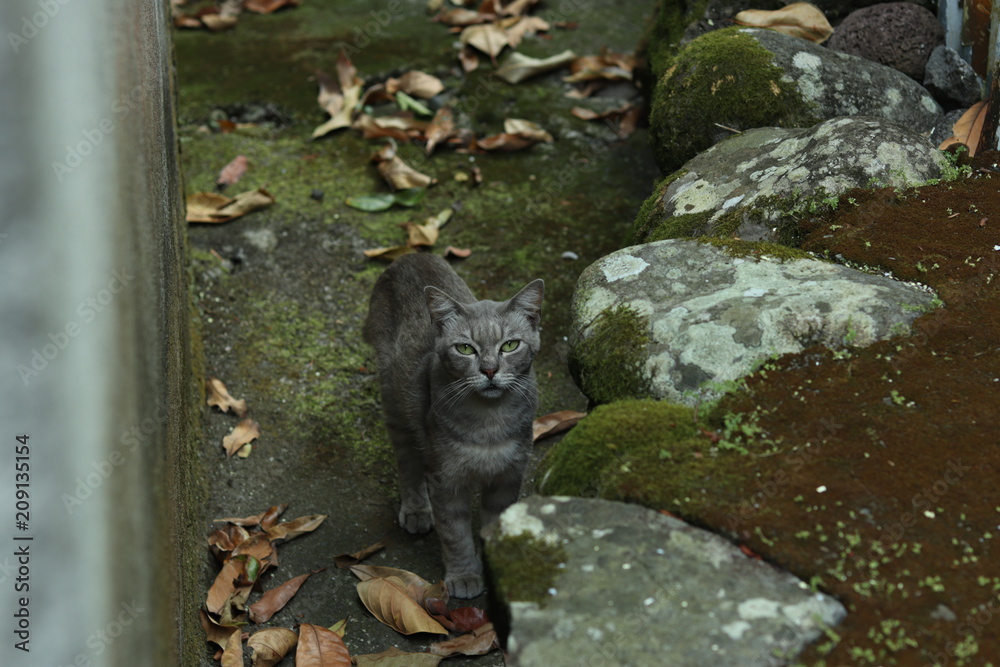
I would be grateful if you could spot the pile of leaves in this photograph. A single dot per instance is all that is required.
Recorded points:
(402, 600)
(225, 15)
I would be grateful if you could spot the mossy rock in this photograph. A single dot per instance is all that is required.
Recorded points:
(645, 451)
(608, 364)
(723, 79)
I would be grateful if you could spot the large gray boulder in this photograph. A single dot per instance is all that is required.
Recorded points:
(694, 316)
(628, 586)
(756, 184)
(741, 78)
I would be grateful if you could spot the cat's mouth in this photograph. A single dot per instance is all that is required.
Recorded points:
(491, 391)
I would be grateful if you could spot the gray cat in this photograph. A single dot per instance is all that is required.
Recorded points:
(459, 397)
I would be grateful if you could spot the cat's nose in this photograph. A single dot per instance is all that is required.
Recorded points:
(488, 372)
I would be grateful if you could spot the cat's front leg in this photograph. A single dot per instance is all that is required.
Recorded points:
(453, 520)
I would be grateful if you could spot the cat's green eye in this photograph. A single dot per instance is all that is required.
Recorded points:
(510, 346)
(465, 348)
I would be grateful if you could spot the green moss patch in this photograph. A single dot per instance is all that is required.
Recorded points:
(524, 567)
(755, 249)
(608, 363)
(722, 78)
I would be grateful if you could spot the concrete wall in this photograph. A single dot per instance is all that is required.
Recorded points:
(95, 352)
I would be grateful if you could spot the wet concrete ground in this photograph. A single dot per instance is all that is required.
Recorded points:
(281, 293)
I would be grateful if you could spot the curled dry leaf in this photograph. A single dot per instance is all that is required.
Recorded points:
(222, 588)
(245, 432)
(488, 38)
(344, 561)
(372, 128)
(463, 17)
(389, 254)
(623, 120)
(257, 546)
(441, 128)
(517, 7)
(396, 658)
(528, 25)
(225, 539)
(417, 587)
(518, 67)
(969, 128)
(338, 97)
(388, 600)
(274, 600)
(461, 253)
(232, 172)
(478, 642)
(233, 655)
(504, 142)
(218, 396)
(416, 83)
(270, 517)
(214, 633)
(401, 176)
(468, 59)
(340, 627)
(271, 645)
(320, 647)
(292, 529)
(800, 19)
(467, 619)
(427, 233)
(527, 129)
(555, 422)
(214, 208)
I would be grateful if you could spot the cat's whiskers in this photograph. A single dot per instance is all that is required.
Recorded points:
(453, 392)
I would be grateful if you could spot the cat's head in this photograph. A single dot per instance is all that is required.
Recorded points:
(487, 347)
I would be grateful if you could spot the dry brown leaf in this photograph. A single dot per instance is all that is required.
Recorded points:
(218, 22)
(461, 253)
(214, 208)
(529, 25)
(320, 647)
(292, 529)
(504, 142)
(274, 600)
(373, 128)
(389, 254)
(625, 117)
(233, 655)
(800, 19)
(259, 546)
(224, 585)
(478, 642)
(969, 128)
(271, 645)
(441, 128)
(468, 59)
(463, 17)
(417, 587)
(467, 619)
(419, 84)
(427, 233)
(398, 174)
(270, 517)
(232, 172)
(527, 129)
(518, 67)
(396, 658)
(245, 432)
(338, 97)
(268, 6)
(344, 561)
(488, 38)
(388, 601)
(518, 7)
(555, 422)
(214, 632)
(218, 396)
(225, 539)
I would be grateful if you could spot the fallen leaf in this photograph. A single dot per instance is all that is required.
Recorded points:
(338, 97)
(320, 647)
(518, 67)
(416, 83)
(344, 561)
(461, 253)
(800, 19)
(218, 22)
(969, 128)
(528, 25)
(233, 655)
(467, 619)
(372, 128)
(218, 396)
(388, 600)
(625, 117)
(214, 208)
(518, 7)
(384, 200)
(232, 172)
(393, 657)
(468, 59)
(292, 529)
(214, 632)
(271, 645)
(401, 176)
(267, 7)
(339, 627)
(225, 583)
(504, 142)
(245, 432)
(274, 600)
(441, 128)
(257, 546)
(270, 517)
(427, 233)
(478, 642)
(463, 17)
(390, 253)
(488, 38)
(555, 422)
(527, 129)
(226, 539)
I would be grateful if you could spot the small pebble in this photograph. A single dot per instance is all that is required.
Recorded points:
(317, 195)
(570, 255)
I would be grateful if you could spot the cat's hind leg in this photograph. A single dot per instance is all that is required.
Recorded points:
(415, 514)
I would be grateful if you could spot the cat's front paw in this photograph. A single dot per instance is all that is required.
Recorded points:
(416, 522)
(464, 586)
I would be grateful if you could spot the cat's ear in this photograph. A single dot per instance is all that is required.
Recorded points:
(529, 301)
(441, 306)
